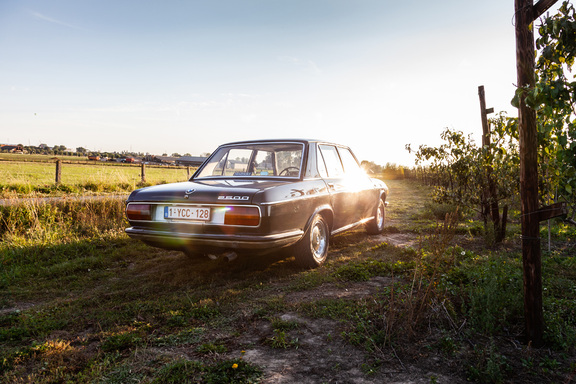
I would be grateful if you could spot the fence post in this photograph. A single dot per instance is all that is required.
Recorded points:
(188, 171)
(143, 172)
(526, 13)
(58, 171)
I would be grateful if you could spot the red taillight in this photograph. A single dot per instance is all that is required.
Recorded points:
(139, 212)
(242, 216)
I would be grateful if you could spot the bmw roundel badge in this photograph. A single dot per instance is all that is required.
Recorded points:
(188, 193)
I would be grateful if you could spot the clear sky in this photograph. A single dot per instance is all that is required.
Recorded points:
(184, 76)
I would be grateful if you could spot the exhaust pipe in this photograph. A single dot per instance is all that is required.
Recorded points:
(227, 256)
(230, 256)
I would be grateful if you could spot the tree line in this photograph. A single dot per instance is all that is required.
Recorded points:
(62, 150)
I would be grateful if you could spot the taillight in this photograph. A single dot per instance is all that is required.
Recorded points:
(139, 212)
(249, 216)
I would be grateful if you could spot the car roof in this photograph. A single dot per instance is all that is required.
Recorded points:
(304, 141)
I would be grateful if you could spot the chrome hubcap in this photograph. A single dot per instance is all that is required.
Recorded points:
(380, 217)
(319, 240)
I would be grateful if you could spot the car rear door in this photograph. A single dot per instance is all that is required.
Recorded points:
(344, 201)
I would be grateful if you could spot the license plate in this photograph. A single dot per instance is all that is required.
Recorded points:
(187, 213)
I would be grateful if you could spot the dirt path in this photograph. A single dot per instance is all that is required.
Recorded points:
(322, 355)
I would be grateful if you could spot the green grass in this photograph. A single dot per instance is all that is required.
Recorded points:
(19, 178)
(81, 302)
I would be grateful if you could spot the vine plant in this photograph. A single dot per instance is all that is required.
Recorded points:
(554, 99)
(458, 167)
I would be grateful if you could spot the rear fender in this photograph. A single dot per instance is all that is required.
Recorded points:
(326, 212)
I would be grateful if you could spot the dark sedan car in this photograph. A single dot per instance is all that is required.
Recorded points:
(262, 196)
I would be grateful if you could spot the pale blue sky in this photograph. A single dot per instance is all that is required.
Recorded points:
(185, 76)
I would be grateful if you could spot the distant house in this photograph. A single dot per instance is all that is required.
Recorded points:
(190, 161)
(165, 159)
(13, 148)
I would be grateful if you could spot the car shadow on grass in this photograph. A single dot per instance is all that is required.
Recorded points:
(178, 269)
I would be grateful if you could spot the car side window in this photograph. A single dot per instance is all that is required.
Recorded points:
(321, 166)
(332, 161)
(351, 167)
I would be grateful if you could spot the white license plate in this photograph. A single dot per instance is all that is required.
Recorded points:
(187, 213)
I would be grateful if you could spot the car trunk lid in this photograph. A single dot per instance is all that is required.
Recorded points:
(202, 192)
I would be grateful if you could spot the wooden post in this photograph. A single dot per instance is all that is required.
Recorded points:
(188, 171)
(490, 206)
(525, 13)
(143, 172)
(484, 112)
(58, 171)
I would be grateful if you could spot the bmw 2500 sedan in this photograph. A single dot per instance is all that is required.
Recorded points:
(262, 196)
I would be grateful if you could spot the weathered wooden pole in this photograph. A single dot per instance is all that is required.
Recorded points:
(143, 172)
(526, 13)
(490, 194)
(58, 171)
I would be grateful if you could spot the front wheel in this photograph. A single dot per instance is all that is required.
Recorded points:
(311, 251)
(376, 225)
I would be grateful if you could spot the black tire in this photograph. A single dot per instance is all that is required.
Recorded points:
(311, 251)
(376, 225)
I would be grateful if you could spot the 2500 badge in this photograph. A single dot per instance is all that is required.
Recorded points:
(233, 197)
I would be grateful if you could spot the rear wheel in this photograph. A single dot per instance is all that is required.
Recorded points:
(311, 251)
(376, 225)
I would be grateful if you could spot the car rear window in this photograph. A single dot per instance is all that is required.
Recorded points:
(255, 160)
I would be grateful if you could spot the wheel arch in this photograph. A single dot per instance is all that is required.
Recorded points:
(383, 196)
(326, 212)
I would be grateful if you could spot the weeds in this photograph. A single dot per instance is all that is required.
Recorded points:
(228, 371)
(211, 348)
(495, 296)
(489, 366)
(121, 342)
(36, 222)
(284, 325)
(282, 340)
(80, 302)
(178, 338)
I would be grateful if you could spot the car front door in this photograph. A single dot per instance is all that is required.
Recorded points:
(359, 185)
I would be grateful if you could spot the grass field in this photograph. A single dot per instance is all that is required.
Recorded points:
(425, 302)
(40, 158)
(21, 178)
